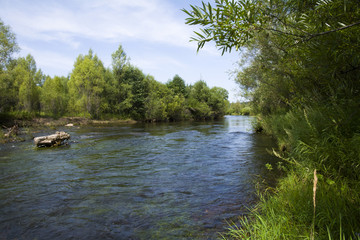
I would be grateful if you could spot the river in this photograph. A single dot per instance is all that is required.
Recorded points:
(140, 181)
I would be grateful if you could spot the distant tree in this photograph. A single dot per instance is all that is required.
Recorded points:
(119, 92)
(156, 101)
(176, 108)
(134, 77)
(8, 92)
(218, 101)
(177, 85)
(198, 101)
(200, 91)
(8, 45)
(26, 81)
(119, 61)
(86, 86)
(54, 96)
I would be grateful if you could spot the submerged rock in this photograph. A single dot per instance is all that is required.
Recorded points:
(53, 140)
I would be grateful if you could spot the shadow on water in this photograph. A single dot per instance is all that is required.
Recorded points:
(142, 181)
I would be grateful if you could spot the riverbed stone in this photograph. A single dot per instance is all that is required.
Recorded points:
(52, 140)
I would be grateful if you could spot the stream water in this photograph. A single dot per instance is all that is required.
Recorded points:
(139, 181)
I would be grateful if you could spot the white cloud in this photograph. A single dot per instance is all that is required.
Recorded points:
(108, 20)
(157, 62)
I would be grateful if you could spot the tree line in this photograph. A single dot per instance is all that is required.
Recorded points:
(94, 91)
(301, 71)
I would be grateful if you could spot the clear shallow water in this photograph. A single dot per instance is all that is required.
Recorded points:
(143, 181)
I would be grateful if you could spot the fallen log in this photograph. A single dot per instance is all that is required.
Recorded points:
(12, 131)
(53, 140)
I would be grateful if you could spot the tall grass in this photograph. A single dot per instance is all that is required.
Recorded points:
(326, 138)
(288, 213)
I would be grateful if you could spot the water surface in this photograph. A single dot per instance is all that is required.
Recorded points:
(142, 181)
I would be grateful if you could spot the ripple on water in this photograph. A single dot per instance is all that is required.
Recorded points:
(150, 181)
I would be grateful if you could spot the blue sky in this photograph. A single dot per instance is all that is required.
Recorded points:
(153, 33)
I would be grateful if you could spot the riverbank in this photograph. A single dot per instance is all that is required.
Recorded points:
(52, 122)
(318, 196)
(13, 130)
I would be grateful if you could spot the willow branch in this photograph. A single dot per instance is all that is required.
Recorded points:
(331, 31)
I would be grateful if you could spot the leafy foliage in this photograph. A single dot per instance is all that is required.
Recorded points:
(91, 90)
(54, 96)
(302, 73)
(87, 85)
(8, 45)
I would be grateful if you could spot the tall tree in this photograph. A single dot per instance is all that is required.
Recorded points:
(8, 44)
(120, 90)
(119, 61)
(177, 85)
(198, 101)
(86, 86)
(26, 81)
(54, 95)
(156, 101)
(134, 77)
(218, 101)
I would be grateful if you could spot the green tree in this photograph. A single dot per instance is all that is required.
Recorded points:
(54, 96)
(86, 86)
(134, 77)
(119, 91)
(25, 86)
(176, 108)
(198, 101)
(238, 108)
(8, 92)
(119, 61)
(156, 101)
(177, 85)
(8, 45)
(200, 91)
(218, 101)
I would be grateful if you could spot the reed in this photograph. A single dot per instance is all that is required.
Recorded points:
(314, 203)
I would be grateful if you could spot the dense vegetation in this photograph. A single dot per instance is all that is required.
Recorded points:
(301, 72)
(94, 91)
(240, 108)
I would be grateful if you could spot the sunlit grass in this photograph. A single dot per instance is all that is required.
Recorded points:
(287, 213)
(324, 138)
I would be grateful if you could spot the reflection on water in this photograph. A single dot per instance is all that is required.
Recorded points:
(143, 181)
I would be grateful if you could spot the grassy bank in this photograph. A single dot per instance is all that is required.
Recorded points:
(288, 212)
(304, 205)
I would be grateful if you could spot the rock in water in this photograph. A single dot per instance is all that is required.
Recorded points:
(53, 140)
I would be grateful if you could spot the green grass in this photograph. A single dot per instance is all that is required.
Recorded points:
(288, 212)
(325, 138)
